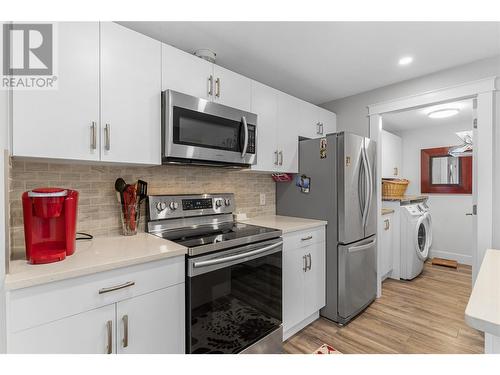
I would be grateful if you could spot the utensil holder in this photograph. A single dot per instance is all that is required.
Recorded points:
(130, 216)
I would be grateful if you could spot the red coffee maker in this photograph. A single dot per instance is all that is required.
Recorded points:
(49, 224)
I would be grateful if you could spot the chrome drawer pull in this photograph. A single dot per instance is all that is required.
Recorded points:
(306, 238)
(125, 330)
(116, 287)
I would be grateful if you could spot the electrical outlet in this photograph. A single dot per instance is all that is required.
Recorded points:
(262, 199)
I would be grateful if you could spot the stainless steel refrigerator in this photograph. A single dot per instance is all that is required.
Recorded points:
(340, 170)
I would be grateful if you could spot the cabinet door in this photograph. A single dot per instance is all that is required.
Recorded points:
(328, 120)
(288, 138)
(130, 96)
(186, 73)
(152, 323)
(315, 278)
(265, 105)
(308, 124)
(293, 287)
(87, 333)
(391, 155)
(58, 123)
(387, 244)
(232, 89)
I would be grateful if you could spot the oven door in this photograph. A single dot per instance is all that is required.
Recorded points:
(234, 298)
(197, 130)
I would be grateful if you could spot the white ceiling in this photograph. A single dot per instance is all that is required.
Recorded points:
(322, 61)
(397, 122)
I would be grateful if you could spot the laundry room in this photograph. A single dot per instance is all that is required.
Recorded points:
(427, 177)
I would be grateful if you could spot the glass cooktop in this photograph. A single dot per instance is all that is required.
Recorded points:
(215, 236)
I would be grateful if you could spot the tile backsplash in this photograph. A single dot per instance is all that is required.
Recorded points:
(99, 210)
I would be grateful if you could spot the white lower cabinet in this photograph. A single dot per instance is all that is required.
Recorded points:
(85, 333)
(149, 324)
(387, 245)
(303, 278)
(136, 309)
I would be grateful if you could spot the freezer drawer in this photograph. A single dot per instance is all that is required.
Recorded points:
(357, 276)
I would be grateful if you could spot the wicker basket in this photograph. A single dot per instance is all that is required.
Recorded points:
(394, 188)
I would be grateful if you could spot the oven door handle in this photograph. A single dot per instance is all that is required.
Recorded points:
(231, 258)
(245, 142)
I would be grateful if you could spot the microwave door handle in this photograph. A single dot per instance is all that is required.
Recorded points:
(245, 143)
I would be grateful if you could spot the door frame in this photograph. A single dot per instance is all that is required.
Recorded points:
(484, 91)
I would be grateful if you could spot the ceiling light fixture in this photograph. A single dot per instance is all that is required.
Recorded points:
(405, 60)
(443, 113)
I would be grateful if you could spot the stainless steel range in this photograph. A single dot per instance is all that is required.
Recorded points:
(233, 273)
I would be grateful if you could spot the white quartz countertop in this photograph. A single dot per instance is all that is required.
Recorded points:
(92, 256)
(285, 223)
(483, 309)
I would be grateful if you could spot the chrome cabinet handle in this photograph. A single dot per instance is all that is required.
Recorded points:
(116, 287)
(281, 157)
(125, 330)
(469, 214)
(245, 143)
(305, 263)
(107, 136)
(387, 224)
(276, 157)
(306, 238)
(210, 85)
(320, 128)
(109, 327)
(310, 261)
(217, 87)
(93, 136)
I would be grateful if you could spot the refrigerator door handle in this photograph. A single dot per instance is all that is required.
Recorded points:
(370, 186)
(367, 186)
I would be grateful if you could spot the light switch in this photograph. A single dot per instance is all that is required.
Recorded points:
(262, 199)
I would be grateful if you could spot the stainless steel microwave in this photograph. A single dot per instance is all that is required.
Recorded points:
(198, 131)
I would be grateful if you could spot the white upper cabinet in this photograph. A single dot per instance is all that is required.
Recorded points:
(61, 123)
(315, 121)
(130, 96)
(186, 73)
(327, 121)
(265, 105)
(232, 89)
(392, 149)
(287, 135)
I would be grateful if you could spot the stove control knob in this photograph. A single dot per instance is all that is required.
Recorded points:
(227, 202)
(173, 206)
(218, 203)
(160, 206)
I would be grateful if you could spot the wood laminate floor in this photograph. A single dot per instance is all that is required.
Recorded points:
(425, 315)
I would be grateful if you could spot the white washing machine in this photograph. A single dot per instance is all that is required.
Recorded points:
(416, 239)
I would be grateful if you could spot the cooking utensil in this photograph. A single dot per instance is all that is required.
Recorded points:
(142, 190)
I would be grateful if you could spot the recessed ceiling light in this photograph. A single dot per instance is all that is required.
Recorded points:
(405, 60)
(443, 113)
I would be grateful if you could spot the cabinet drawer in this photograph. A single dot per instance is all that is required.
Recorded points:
(303, 238)
(41, 304)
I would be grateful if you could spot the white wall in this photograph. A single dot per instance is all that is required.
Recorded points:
(352, 110)
(452, 229)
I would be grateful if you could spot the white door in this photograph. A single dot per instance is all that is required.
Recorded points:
(386, 244)
(308, 120)
(152, 323)
(186, 73)
(293, 287)
(59, 123)
(288, 138)
(232, 89)
(265, 105)
(328, 121)
(90, 332)
(314, 278)
(130, 96)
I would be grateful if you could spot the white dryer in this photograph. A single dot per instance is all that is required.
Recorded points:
(416, 239)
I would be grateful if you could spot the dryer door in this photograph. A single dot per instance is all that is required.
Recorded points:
(429, 228)
(421, 238)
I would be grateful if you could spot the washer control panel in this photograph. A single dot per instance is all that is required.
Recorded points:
(414, 210)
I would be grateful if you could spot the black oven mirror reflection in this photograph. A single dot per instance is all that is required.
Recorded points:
(233, 307)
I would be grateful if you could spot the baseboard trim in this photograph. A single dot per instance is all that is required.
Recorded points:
(460, 258)
(297, 327)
